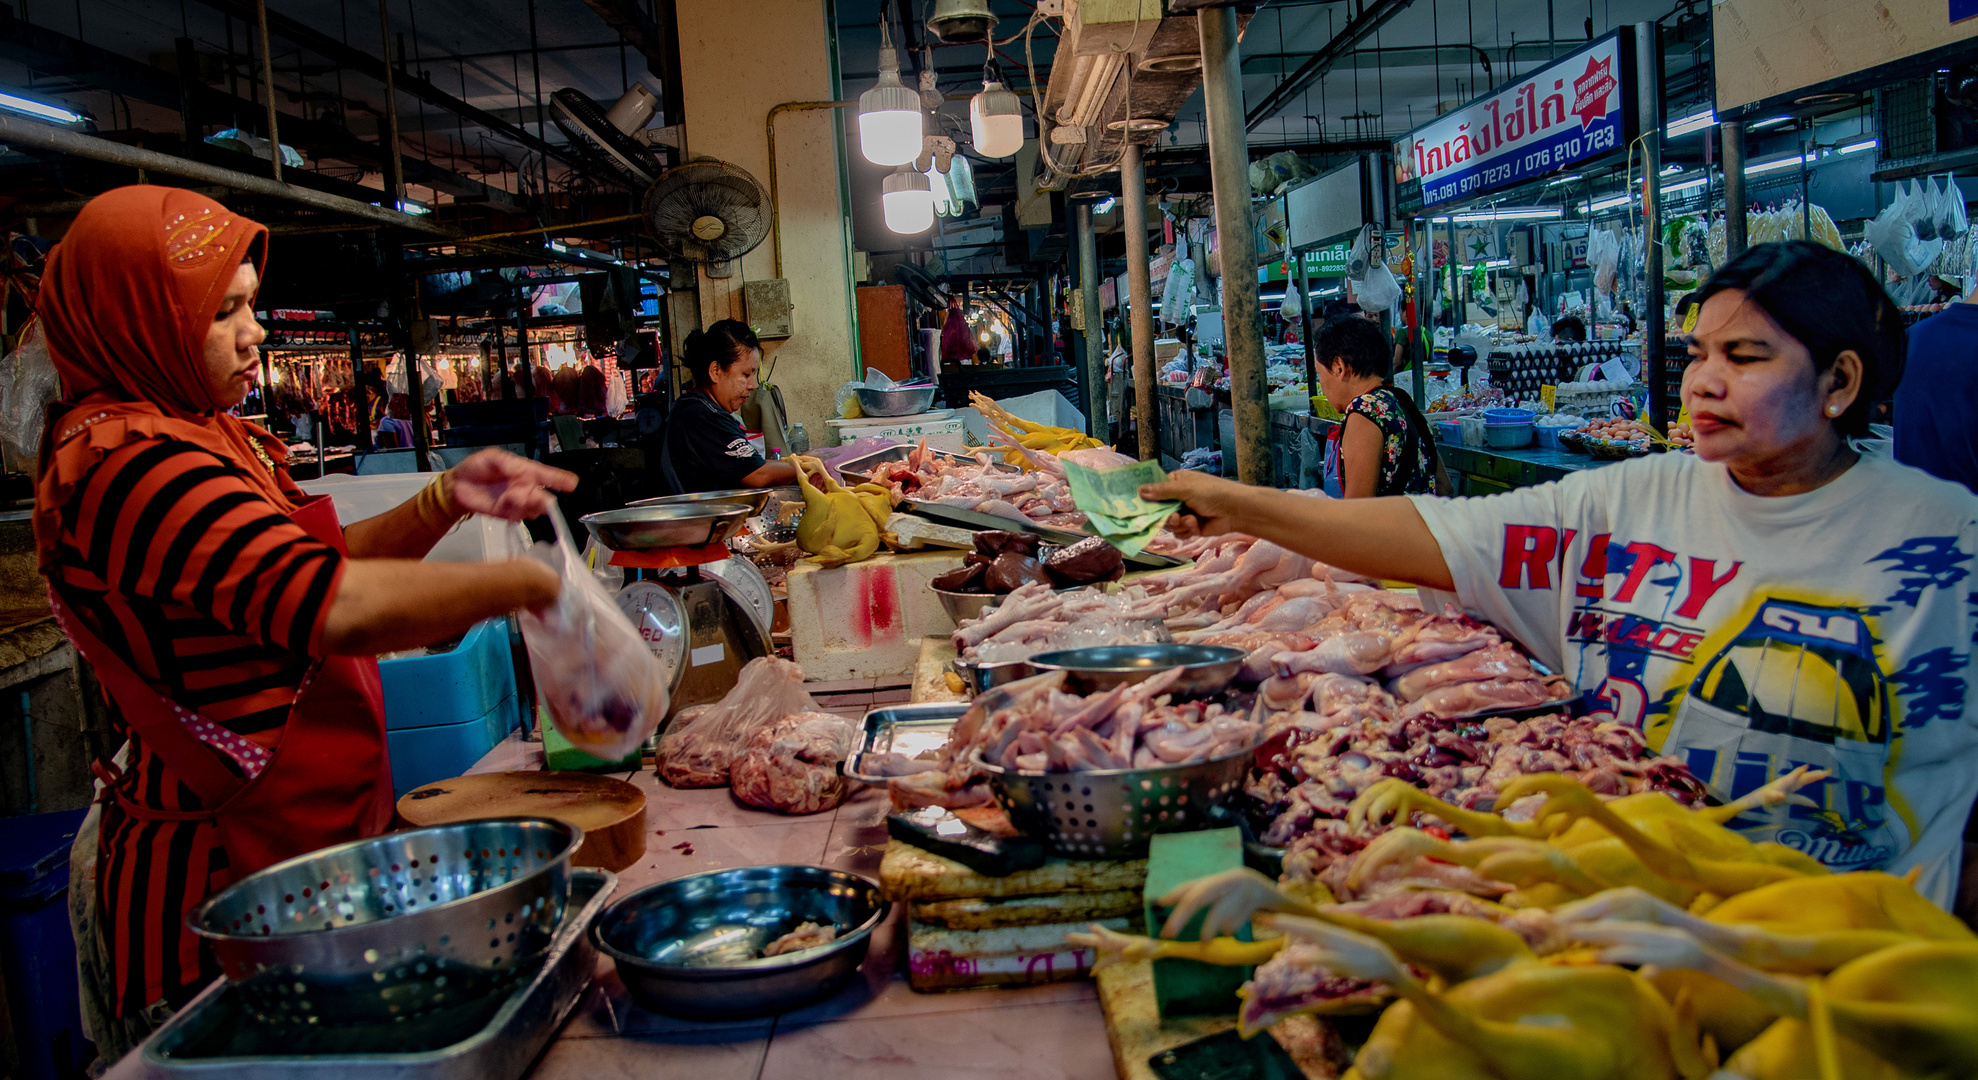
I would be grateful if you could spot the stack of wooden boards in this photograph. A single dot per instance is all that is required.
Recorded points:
(968, 930)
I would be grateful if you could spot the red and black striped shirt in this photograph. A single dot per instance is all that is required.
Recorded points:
(218, 600)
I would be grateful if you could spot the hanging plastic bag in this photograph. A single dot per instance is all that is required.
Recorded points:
(1604, 255)
(28, 383)
(604, 688)
(1380, 291)
(1951, 222)
(703, 741)
(1359, 258)
(1293, 304)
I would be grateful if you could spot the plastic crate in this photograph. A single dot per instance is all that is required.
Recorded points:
(37, 949)
(422, 755)
(462, 684)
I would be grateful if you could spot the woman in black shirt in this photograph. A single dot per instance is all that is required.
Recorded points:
(705, 448)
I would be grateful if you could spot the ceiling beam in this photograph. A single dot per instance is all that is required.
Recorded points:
(358, 60)
(1373, 15)
(632, 24)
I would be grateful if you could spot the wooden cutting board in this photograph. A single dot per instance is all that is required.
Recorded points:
(611, 812)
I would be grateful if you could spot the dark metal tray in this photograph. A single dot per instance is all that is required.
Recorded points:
(211, 1039)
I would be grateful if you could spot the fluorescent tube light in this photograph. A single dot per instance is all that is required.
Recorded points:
(39, 109)
(1857, 147)
(1692, 123)
(1768, 123)
(1774, 166)
(1512, 213)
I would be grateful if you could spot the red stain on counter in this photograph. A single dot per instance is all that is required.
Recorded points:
(875, 614)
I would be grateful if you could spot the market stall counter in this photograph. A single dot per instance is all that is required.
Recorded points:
(1476, 470)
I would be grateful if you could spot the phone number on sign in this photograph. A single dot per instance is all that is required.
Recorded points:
(1566, 151)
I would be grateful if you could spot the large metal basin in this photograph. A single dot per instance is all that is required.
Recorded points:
(640, 528)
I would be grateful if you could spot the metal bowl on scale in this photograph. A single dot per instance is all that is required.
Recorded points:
(643, 528)
(753, 498)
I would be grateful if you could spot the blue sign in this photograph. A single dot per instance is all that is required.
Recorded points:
(1963, 9)
(1562, 114)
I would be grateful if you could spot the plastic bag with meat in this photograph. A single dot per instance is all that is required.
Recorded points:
(698, 747)
(604, 688)
(792, 764)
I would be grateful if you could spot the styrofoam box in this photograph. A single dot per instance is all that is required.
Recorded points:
(944, 434)
(866, 619)
(1043, 407)
(477, 539)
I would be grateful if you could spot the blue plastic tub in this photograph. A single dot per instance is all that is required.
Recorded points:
(1548, 436)
(445, 711)
(1449, 431)
(37, 950)
(1502, 436)
(1507, 416)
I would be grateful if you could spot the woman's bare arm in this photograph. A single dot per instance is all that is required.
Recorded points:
(1381, 538)
(771, 474)
(1362, 453)
(382, 605)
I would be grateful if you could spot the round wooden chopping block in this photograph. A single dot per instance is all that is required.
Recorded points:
(611, 812)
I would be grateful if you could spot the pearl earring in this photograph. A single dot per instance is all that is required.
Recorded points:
(1833, 410)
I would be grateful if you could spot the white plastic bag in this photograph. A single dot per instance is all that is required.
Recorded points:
(1604, 255)
(1359, 259)
(28, 383)
(1380, 291)
(703, 741)
(605, 690)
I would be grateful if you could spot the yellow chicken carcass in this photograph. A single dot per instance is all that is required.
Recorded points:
(1807, 926)
(1905, 1011)
(1025, 439)
(1577, 845)
(1504, 1015)
(836, 527)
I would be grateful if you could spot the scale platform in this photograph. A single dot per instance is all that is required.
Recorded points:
(495, 1039)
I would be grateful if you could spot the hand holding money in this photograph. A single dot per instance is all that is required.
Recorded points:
(1208, 505)
(1113, 506)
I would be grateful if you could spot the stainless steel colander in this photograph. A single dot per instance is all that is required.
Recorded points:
(1113, 813)
(392, 927)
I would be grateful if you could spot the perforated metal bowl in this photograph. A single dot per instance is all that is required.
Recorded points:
(1114, 813)
(389, 928)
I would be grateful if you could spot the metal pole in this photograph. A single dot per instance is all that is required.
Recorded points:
(1229, 170)
(1655, 368)
(268, 86)
(501, 361)
(20, 131)
(1732, 134)
(1140, 294)
(188, 61)
(1305, 327)
(1424, 309)
(1092, 373)
(359, 391)
(394, 162)
(536, 64)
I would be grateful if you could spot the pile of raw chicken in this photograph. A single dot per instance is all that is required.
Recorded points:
(766, 740)
(1035, 492)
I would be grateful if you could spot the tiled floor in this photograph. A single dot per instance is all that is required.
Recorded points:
(876, 1028)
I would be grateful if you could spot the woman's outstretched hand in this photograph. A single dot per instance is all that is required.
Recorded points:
(1210, 505)
(508, 486)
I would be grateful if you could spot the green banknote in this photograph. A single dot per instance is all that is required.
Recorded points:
(1110, 499)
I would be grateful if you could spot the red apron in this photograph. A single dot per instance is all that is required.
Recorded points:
(327, 780)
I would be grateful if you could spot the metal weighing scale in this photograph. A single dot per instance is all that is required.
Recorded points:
(703, 612)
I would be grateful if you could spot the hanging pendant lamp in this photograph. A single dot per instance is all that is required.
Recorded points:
(995, 117)
(891, 123)
(908, 201)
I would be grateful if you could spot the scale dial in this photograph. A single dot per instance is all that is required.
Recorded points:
(661, 620)
(745, 585)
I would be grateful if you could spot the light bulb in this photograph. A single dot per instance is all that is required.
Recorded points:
(996, 121)
(891, 124)
(908, 200)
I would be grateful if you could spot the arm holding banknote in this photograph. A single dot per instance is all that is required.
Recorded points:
(1381, 538)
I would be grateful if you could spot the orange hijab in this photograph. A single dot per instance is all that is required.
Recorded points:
(126, 302)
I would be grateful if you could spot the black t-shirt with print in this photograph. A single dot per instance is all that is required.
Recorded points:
(707, 448)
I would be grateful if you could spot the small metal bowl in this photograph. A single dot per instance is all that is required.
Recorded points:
(1205, 668)
(967, 605)
(692, 946)
(982, 678)
(753, 498)
(904, 402)
(640, 528)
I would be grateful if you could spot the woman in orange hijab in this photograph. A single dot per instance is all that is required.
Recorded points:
(233, 624)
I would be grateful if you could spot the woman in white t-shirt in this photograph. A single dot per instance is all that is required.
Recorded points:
(1773, 600)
